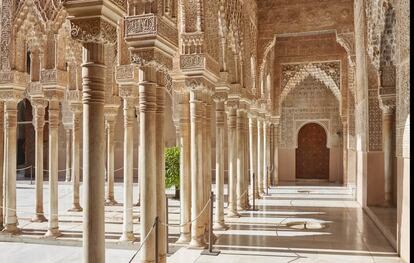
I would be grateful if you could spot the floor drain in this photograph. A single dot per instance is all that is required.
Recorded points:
(305, 225)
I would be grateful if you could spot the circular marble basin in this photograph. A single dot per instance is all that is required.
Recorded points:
(305, 225)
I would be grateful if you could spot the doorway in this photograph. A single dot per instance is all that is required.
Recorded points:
(312, 154)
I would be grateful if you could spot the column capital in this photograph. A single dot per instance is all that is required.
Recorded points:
(129, 91)
(127, 74)
(11, 95)
(220, 96)
(387, 103)
(76, 107)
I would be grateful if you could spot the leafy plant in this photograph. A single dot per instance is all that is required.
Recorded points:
(172, 168)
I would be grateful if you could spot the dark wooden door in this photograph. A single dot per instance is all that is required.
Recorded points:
(312, 155)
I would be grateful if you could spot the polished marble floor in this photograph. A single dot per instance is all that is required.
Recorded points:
(295, 223)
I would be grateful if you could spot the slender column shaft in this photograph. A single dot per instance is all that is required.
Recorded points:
(246, 161)
(76, 207)
(129, 119)
(232, 148)
(147, 158)
(387, 127)
(2, 156)
(240, 160)
(10, 166)
(110, 126)
(185, 169)
(68, 155)
(93, 70)
(203, 156)
(220, 118)
(253, 154)
(265, 156)
(160, 166)
(260, 172)
(39, 122)
(345, 152)
(276, 154)
(208, 158)
(53, 228)
(196, 113)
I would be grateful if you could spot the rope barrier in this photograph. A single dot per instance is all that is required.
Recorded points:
(189, 222)
(24, 168)
(143, 242)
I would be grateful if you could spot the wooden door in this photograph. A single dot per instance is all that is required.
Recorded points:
(312, 155)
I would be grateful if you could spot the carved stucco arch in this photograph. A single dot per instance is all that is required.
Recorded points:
(268, 47)
(317, 73)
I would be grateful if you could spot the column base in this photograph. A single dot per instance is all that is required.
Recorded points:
(110, 201)
(184, 238)
(75, 208)
(220, 226)
(197, 243)
(38, 218)
(11, 229)
(233, 214)
(53, 233)
(126, 237)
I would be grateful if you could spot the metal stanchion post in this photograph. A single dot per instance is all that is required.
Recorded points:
(210, 251)
(31, 174)
(156, 239)
(254, 194)
(166, 220)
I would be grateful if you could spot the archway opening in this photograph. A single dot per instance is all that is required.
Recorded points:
(312, 154)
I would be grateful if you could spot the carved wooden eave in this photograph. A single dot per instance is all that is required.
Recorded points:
(151, 40)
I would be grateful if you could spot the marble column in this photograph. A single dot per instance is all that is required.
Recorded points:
(129, 119)
(265, 156)
(93, 75)
(207, 158)
(53, 227)
(246, 161)
(387, 145)
(110, 133)
(10, 135)
(219, 223)
(68, 141)
(196, 115)
(260, 172)
(232, 161)
(345, 151)
(276, 153)
(185, 167)
(147, 154)
(2, 156)
(160, 168)
(39, 106)
(240, 160)
(76, 109)
(253, 154)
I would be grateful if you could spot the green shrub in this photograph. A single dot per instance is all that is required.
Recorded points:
(172, 167)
